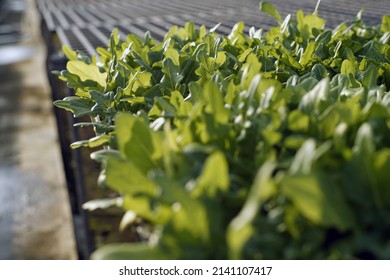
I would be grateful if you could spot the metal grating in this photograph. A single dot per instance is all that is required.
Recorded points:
(94, 19)
(87, 24)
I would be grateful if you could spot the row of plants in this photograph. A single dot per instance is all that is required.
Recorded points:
(272, 145)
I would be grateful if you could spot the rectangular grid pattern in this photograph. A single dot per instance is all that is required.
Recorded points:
(95, 19)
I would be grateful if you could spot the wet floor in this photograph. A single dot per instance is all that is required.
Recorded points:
(35, 221)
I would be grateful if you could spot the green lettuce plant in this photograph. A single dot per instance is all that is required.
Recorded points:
(268, 146)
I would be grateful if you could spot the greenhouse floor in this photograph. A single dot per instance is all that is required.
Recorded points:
(35, 221)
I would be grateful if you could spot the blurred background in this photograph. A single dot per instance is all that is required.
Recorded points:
(35, 220)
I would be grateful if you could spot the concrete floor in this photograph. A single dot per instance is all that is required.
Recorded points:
(35, 221)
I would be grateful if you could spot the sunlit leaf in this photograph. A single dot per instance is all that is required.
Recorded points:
(136, 141)
(78, 106)
(92, 142)
(69, 53)
(311, 101)
(87, 72)
(172, 74)
(240, 228)
(214, 176)
(268, 8)
(319, 199)
(125, 177)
